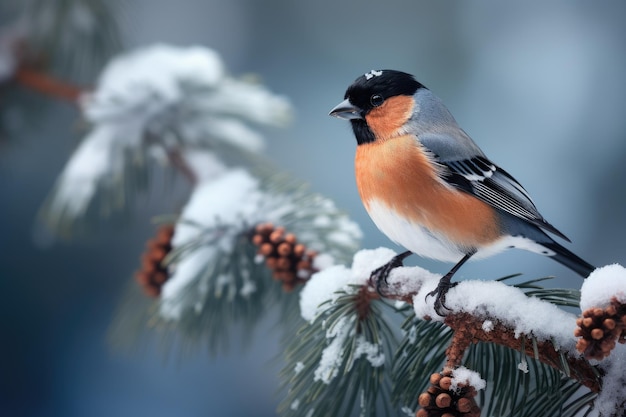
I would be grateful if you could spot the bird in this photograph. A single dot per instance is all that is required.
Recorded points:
(429, 187)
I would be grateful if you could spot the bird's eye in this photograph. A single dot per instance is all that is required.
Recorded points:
(376, 100)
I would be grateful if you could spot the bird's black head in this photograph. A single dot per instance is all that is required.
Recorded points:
(370, 91)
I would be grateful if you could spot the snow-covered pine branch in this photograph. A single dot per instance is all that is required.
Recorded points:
(339, 363)
(492, 312)
(217, 222)
(213, 269)
(149, 105)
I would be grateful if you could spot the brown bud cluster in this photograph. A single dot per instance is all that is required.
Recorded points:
(152, 274)
(439, 401)
(600, 329)
(290, 262)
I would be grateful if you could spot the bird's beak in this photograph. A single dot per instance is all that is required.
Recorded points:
(346, 110)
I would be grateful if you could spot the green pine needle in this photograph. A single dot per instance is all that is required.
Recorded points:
(353, 385)
(542, 391)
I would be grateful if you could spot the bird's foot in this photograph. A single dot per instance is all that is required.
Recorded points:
(379, 276)
(440, 295)
(445, 283)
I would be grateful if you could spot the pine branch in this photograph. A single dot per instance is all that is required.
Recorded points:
(214, 272)
(141, 118)
(469, 329)
(338, 363)
(327, 357)
(524, 346)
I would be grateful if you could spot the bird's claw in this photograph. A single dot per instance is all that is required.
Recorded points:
(440, 296)
(378, 277)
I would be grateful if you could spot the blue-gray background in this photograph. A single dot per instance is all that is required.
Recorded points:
(540, 86)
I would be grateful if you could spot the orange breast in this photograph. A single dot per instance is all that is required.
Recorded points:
(397, 173)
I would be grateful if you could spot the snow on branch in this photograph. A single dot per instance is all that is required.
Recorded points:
(324, 288)
(182, 94)
(492, 311)
(211, 269)
(220, 217)
(153, 106)
(498, 313)
(340, 360)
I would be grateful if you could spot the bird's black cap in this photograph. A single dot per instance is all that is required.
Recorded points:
(385, 83)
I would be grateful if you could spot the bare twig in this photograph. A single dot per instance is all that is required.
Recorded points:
(178, 161)
(44, 83)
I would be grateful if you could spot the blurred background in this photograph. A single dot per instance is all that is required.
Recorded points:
(539, 86)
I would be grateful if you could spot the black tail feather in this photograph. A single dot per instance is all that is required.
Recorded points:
(569, 259)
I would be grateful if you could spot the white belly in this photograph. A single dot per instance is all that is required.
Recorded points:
(414, 237)
(426, 243)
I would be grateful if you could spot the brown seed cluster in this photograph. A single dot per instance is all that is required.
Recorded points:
(290, 262)
(153, 274)
(600, 329)
(439, 401)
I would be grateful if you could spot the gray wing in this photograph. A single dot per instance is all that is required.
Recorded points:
(467, 169)
(496, 187)
(464, 164)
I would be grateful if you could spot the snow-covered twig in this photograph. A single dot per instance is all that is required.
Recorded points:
(470, 329)
(491, 311)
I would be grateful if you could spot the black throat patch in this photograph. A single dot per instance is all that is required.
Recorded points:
(362, 132)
